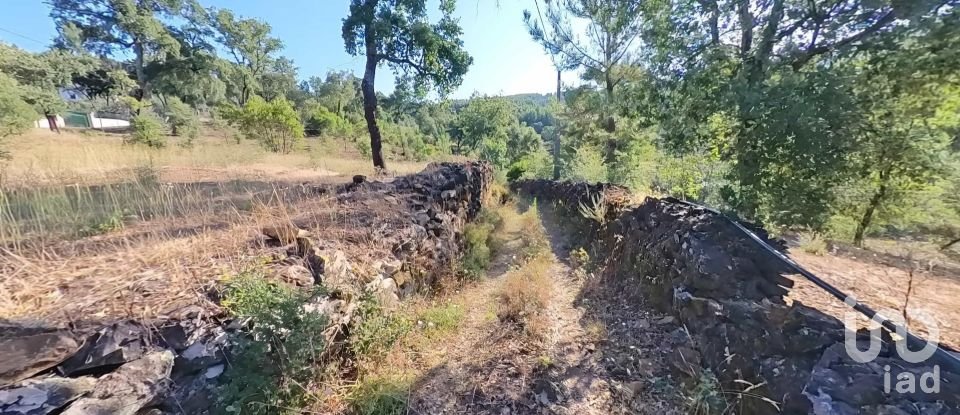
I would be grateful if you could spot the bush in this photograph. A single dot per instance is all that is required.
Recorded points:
(274, 124)
(363, 146)
(812, 243)
(321, 121)
(278, 363)
(147, 129)
(480, 243)
(16, 116)
(587, 165)
(477, 253)
(533, 238)
(182, 119)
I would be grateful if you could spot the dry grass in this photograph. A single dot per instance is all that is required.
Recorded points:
(64, 186)
(812, 243)
(526, 295)
(152, 268)
(527, 290)
(46, 158)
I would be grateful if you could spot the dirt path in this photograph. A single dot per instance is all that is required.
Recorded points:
(581, 366)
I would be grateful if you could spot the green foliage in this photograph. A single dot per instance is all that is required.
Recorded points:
(320, 121)
(16, 116)
(535, 165)
(182, 119)
(363, 146)
(109, 223)
(482, 126)
(398, 32)
(376, 330)
(476, 253)
(441, 319)
(253, 50)
(274, 124)
(279, 360)
(381, 396)
(705, 395)
(105, 27)
(428, 55)
(148, 130)
(587, 165)
(479, 243)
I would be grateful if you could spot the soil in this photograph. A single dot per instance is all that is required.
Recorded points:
(882, 287)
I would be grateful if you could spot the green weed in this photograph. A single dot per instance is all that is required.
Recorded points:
(275, 365)
(381, 396)
(442, 319)
(375, 330)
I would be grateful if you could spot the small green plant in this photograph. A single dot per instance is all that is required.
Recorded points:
(278, 362)
(442, 318)
(579, 258)
(705, 396)
(375, 330)
(381, 396)
(183, 120)
(477, 253)
(109, 223)
(147, 129)
(812, 243)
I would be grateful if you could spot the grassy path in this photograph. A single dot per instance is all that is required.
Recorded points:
(523, 342)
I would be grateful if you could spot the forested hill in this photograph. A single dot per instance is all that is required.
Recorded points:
(527, 99)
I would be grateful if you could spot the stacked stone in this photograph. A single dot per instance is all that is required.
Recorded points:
(729, 295)
(172, 366)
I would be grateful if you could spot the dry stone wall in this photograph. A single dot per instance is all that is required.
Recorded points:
(728, 294)
(173, 366)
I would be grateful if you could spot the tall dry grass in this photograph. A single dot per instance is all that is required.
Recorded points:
(46, 158)
(58, 186)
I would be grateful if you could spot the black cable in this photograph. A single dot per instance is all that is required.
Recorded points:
(944, 357)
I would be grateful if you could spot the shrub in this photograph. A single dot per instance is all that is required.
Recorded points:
(274, 124)
(812, 243)
(533, 238)
(16, 116)
(705, 396)
(477, 253)
(441, 319)
(321, 121)
(147, 129)
(363, 146)
(480, 242)
(587, 165)
(182, 119)
(381, 396)
(278, 362)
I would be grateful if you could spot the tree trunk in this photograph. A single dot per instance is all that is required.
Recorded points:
(52, 121)
(868, 215)
(949, 244)
(370, 101)
(556, 135)
(139, 63)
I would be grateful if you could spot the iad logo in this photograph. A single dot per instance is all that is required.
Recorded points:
(907, 382)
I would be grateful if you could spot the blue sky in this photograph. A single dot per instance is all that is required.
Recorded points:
(506, 61)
